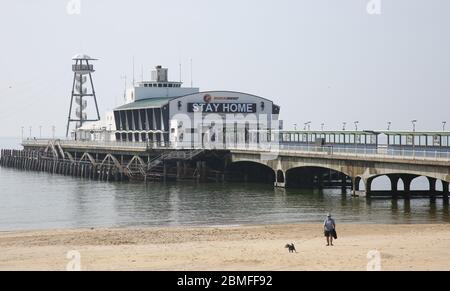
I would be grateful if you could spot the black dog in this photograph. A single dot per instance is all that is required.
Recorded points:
(291, 248)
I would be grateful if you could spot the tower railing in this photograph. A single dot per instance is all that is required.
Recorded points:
(76, 68)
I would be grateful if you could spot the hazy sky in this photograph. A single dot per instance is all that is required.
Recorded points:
(321, 61)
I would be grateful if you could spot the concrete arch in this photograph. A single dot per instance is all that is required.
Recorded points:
(361, 169)
(251, 171)
(250, 160)
(405, 173)
(439, 185)
(287, 165)
(381, 183)
(409, 189)
(359, 183)
(420, 183)
(394, 180)
(400, 185)
(408, 178)
(315, 177)
(335, 168)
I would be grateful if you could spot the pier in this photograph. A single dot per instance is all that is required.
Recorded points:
(291, 166)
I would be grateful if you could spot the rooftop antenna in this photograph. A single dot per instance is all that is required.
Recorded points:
(180, 71)
(124, 88)
(192, 82)
(82, 73)
(133, 72)
(142, 73)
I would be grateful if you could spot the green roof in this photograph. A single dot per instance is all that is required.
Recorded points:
(146, 103)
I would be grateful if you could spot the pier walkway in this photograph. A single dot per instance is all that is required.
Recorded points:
(284, 164)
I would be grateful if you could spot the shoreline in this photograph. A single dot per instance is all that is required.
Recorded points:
(246, 248)
(219, 226)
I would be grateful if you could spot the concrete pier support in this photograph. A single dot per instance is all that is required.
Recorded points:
(432, 182)
(354, 186)
(407, 179)
(343, 179)
(394, 185)
(368, 184)
(445, 190)
(280, 179)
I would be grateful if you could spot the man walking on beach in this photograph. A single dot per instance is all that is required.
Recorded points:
(329, 227)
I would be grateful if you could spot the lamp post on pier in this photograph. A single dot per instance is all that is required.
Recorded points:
(414, 137)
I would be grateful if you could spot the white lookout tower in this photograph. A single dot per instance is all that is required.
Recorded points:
(81, 91)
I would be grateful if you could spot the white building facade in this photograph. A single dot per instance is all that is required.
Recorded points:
(164, 113)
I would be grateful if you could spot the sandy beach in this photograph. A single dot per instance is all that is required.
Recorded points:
(401, 247)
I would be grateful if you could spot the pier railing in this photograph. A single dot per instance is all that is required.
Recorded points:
(270, 148)
(403, 154)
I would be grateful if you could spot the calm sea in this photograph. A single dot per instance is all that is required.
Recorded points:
(31, 200)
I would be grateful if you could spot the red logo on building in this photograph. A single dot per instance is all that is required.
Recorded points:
(207, 98)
